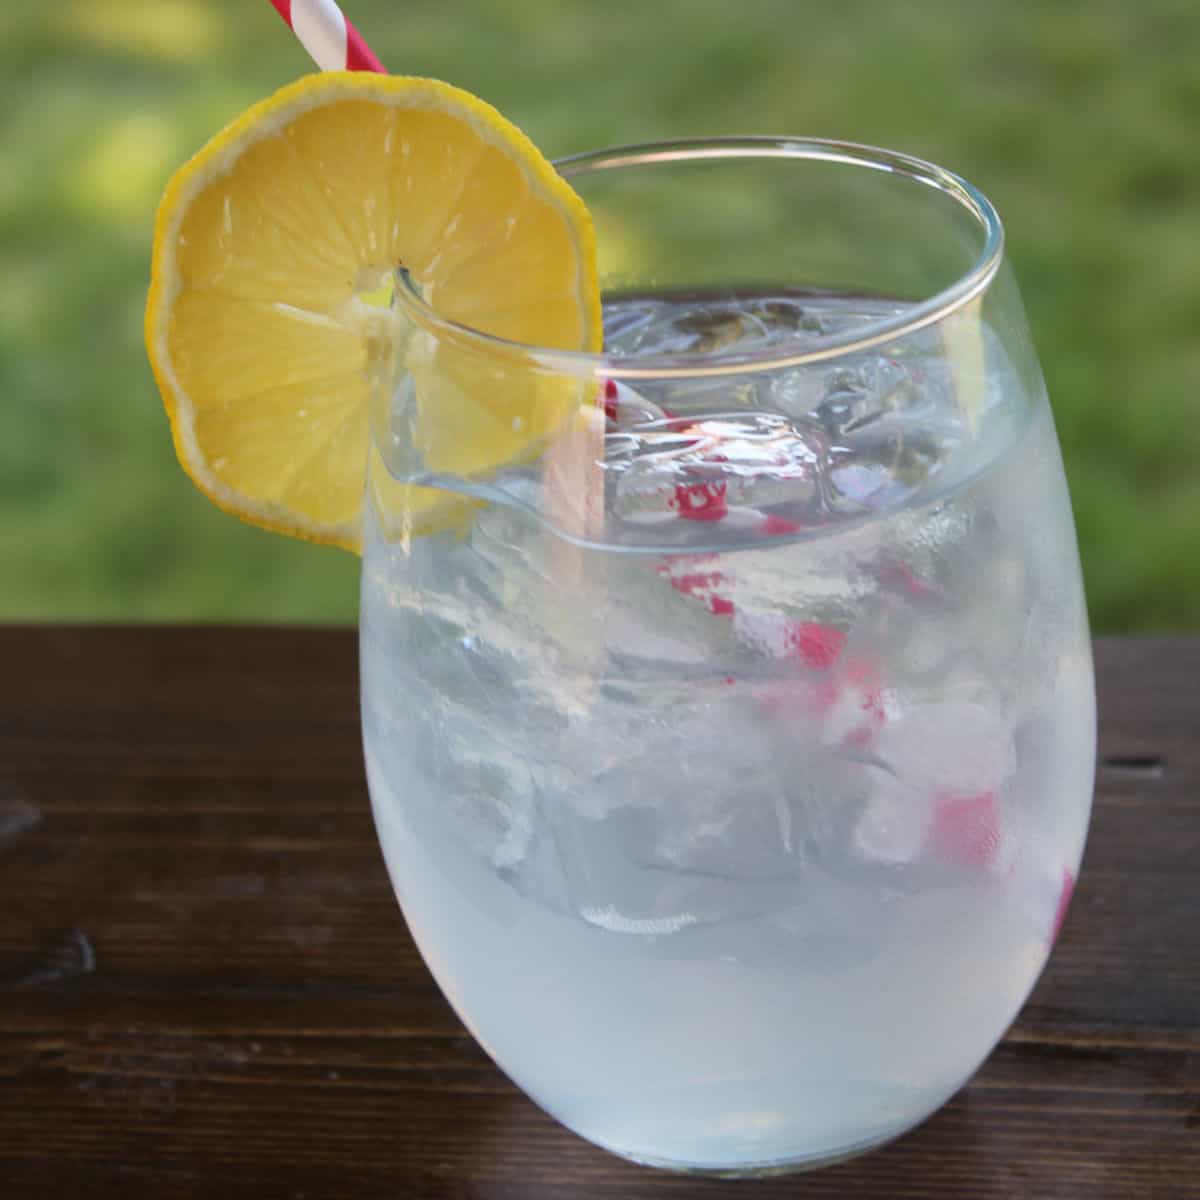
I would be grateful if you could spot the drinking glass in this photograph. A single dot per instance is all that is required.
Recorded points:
(731, 740)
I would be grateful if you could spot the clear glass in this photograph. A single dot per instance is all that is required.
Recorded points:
(731, 747)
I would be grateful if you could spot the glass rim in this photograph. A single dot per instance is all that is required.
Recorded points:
(955, 296)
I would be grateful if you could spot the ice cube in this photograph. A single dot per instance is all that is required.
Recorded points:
(704, 470)
(708, 326)
(894, 822)
(626, 408)
(842, 398)
(938, 787)
(881, 467)
(955, 746)
(491, 799)
(628, 323)
(610, 919)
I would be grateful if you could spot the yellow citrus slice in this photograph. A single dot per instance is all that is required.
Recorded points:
(268, 248)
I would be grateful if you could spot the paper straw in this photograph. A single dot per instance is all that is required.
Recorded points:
(324, 31)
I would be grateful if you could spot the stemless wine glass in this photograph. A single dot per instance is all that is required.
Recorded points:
(732, 755)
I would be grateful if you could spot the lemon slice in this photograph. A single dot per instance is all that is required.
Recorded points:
(263, 325)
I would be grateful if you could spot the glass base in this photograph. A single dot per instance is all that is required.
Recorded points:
(762, 1170)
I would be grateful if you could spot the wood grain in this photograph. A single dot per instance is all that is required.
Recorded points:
(206, 988)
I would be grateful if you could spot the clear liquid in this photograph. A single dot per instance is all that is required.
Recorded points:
(744, 848)
(794, 452)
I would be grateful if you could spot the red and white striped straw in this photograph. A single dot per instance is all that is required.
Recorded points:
(324, 31)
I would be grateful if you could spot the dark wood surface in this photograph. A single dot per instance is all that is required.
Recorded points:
(206, 988)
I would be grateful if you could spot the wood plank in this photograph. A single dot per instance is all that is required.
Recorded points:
(206, 987)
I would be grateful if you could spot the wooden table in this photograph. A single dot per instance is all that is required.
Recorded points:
(206, 988)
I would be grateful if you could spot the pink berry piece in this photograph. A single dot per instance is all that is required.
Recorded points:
(851, 703)
(966, 828)
(814, 643)
(773, 525)
(1066, 891)
(611, 406)
(900, 577)
(624, 408)
(692, 583)
(700, 501)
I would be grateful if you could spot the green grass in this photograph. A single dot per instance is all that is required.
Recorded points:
(1080, 121)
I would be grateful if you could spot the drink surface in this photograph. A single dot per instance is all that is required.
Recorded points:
(736, 822)
(819, 447)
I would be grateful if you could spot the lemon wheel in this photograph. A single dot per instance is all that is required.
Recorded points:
(268, 245)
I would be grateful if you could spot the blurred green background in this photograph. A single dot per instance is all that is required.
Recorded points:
(1080, 120)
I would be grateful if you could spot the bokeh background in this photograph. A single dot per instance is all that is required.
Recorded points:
(1080, 120)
